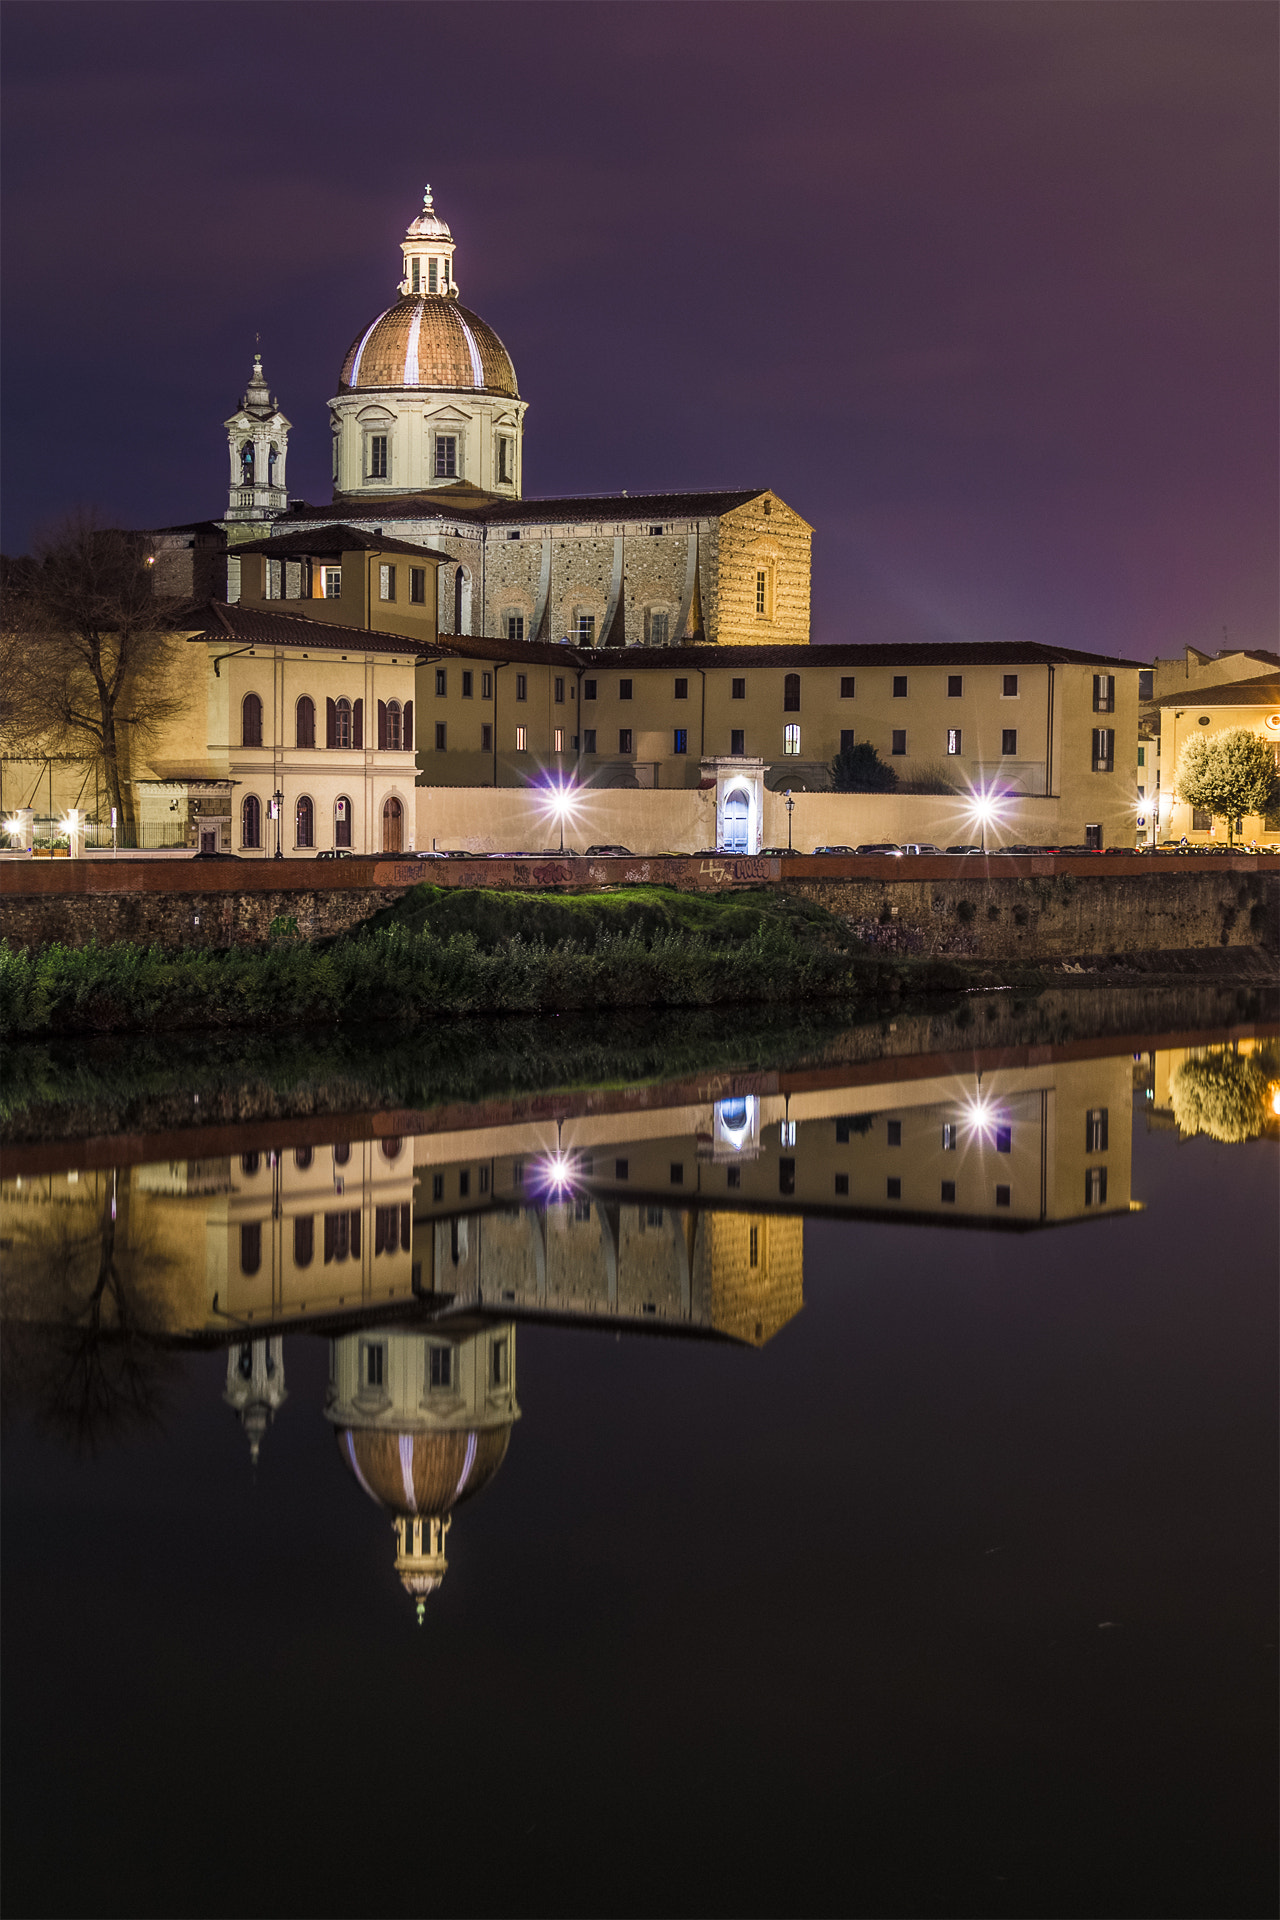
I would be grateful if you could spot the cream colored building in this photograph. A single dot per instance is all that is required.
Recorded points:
(1219, 707)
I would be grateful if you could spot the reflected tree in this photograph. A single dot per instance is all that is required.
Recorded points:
(1226, 1095)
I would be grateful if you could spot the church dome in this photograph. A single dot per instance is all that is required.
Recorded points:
(429, 340)
(423, 1473)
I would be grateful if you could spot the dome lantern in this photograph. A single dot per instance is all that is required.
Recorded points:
(428, 254)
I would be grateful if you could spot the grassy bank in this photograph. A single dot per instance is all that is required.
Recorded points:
(440, 952)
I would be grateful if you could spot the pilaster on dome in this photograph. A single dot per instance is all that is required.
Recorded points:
(428, 248)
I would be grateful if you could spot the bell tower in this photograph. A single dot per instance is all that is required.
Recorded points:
(258, 445)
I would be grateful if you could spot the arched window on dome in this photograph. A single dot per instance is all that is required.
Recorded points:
(246, 464)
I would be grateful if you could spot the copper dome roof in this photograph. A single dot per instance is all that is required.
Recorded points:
(423, 1473)
(427, 340)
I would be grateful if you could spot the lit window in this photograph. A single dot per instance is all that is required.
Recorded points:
(378, 456)
(433, 276)
(557, 740)
(792, 742)
(522, 739)
(446, 456)
(762, 583)
(681, 740)
(1104, 749)
(332, 582)
(953, 739)
(1104, 693)
(386, 582)
(950, 1132)
(1095, 1186)
(1095, 1130)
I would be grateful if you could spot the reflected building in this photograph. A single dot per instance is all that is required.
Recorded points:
(423, 1421)
(255, 1389)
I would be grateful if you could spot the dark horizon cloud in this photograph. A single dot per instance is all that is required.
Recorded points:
(987, 293)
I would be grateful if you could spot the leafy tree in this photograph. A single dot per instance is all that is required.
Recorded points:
(1225, 1096)
(1229, 774)
(90, 660)
(859, 769)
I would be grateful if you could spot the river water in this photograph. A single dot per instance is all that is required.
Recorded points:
(826, 1477)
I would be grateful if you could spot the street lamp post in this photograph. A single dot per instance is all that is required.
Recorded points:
(790, 809)
(278, 798)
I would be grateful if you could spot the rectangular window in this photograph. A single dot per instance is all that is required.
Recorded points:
(681, 740)
(955, 686)
(893, 1188)
(557, 691)
(1104, 693)
(737, 690)
(1142, 756)
(1004, 1139)
(846, 686)
(498, 1363)
(446, 456)
(621, 1169)
(738, 740)
(948, 1191)
(658, 629)
(786, 1175)
(441, 1367)
(486, 737)
(486, 686)
(378, 456)
(682, 689)
(484, 1179)
(787, 1133)
(791, 693)
(1095, 1186)
(464, 1184)
(433, 276)
(893, 1133)
(950, 1131)
(441, 734)
(437, 1186)
(468, 682)
(505, 474)
(899, 740)
(791, 743)
(522, 739)
(373, 1366)
(846, 739)
(753, 1246)
(624, 739)
(1002, 1196)
(515, 626)
(332, 583)
(417, 586)
(586, 630)
(624, 689)
(1095, 1130)
(677, 1173)
(557, 740)
(762, 582)
(442, 682)
(1201, 820)
(1104, 749)
(1009, 740)
(588, 689)
(953, 739)
(1093, 838)
(842, 1183)
(1010, 686)
(588, 739)
(899, 686)
(386, 582)
(415, 278)
(522, 686)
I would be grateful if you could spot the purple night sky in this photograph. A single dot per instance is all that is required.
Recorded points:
(987, 293)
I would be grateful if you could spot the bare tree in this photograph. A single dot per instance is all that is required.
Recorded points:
(91, 654)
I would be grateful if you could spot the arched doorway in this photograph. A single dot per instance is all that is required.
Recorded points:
(737, 811)
(392, 827)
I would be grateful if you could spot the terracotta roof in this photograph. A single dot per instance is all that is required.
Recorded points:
(428, 1473)
(255, 626)
(974, 653)
(428, 340)
(339, 538)
(474, 505)
(1263, 692)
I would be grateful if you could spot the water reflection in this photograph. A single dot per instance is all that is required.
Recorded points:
(418, 1253)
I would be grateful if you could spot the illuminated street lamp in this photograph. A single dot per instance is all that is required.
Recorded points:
(790, 810)
(277, 807)
(561, 801)
(984, 809)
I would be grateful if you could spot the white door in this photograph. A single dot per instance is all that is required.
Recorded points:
(736, 808)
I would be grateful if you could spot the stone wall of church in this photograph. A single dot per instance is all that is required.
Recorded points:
(762, 535)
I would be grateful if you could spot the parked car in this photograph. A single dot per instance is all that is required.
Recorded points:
(962, 849)
(209, 854)
(448, 853)
(600, 852)
(881, 846)
(920, 846)
(833, 849)
(334, 853)
(779, 853)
